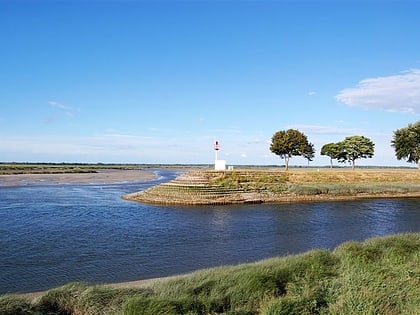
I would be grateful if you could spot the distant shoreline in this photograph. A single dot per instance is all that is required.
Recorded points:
(100, 176)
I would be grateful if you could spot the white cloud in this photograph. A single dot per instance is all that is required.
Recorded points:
(396, 93)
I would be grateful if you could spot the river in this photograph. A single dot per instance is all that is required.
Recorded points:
(54, 234)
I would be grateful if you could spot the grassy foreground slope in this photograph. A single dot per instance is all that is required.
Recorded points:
(378, 276)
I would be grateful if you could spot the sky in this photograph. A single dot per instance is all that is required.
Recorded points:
(161, 81)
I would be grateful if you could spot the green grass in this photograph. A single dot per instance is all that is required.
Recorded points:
(351, 189)
(326, 182)
(378, 276)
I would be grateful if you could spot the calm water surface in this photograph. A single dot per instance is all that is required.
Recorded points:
(52, 235)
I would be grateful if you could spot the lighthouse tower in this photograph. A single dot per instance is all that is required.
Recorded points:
(219, 165)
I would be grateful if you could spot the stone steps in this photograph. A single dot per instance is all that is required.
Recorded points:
(194, 188)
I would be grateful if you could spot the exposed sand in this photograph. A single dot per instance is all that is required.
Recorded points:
(101, 177)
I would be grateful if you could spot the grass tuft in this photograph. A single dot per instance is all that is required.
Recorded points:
(13, 305)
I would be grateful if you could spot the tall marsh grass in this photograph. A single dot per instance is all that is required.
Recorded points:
(378, 276)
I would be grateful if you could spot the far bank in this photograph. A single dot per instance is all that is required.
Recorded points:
(273, 185)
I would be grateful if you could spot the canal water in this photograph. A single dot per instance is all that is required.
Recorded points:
(54, 234)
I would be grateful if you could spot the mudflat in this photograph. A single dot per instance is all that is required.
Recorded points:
(101, 176)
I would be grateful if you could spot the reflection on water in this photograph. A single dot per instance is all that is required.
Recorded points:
(51, 235)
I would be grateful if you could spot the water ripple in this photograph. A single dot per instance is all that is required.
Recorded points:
(51, 235)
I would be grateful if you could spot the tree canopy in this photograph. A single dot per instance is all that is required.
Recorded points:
(291, 142)
(406, 142)
(349, 150)
(332, 150)
(355, 147)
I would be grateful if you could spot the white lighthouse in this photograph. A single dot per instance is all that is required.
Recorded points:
(219, 165)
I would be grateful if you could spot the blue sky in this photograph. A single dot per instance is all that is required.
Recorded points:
(160, 81)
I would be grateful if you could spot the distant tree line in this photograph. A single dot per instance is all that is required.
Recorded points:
(292, 142)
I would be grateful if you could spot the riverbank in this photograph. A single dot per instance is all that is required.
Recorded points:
(98, 176)
(241, 186)
(378, 276)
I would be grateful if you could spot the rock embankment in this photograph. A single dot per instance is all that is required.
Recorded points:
(208, 187)
(193, 188)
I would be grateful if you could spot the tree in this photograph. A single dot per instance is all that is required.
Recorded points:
(355, 147)
(332, 150)
(308, 152)
(291, 143)
(406, 142)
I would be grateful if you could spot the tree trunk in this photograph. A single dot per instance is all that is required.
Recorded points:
(353, 164)
(331, 164)
(286, 162)
(418, 163)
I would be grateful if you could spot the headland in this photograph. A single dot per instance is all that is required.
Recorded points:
(274, 185)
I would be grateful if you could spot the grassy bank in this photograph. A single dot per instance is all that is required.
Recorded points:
(276, 185)
(378, 276)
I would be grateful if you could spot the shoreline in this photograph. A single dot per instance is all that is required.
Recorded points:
(112, 176)
(273, 186)
(144, 283)
(101, 176)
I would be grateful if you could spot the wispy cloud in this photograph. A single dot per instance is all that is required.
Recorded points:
(396, 93)
(70, 111)
(60, 106)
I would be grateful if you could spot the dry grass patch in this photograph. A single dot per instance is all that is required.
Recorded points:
(357, 176)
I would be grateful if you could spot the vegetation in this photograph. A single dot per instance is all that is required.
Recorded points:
(355, 147)
(331, 150)
(206, 187)
(291, 142)
(406, 142)
(378, 276)
(349, 150)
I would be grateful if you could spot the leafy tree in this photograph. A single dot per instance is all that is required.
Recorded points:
(355, 147)
(406, 142)
(308, 152)
(291, 143)
(332, 150)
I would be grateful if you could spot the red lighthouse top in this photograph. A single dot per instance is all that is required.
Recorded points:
(216, 146)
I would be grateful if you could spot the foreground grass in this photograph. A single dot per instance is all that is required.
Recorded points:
(378, 276)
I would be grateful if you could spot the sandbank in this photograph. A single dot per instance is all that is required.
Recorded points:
(105, 176)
